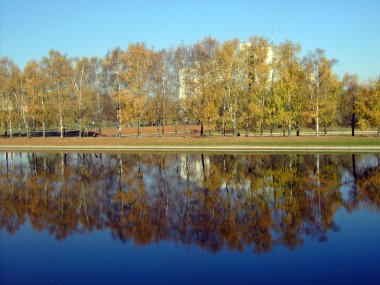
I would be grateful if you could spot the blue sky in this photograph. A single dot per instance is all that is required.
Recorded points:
(348, 30)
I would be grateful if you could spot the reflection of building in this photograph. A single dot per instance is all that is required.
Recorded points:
(195, 170)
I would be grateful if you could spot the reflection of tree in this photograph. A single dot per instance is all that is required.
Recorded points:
(213, 201)
(369, 187)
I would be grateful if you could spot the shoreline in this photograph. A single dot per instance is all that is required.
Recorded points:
(195, 149)
(194, 144)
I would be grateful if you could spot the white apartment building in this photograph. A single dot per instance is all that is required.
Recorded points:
(243, 46)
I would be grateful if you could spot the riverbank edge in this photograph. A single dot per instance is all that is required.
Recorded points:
(192, 148)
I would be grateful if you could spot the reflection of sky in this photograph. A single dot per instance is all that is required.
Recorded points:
(368, 161)
(348, 257)
(347, 184)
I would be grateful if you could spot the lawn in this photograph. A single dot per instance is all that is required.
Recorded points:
(196, 141)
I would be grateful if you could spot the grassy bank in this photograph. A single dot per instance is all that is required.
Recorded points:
(195, 141)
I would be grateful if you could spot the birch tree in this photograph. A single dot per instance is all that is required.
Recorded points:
(330, 89)
(368, 105)
(138, 61)
(182, 62)
(162, 89)
(201, 80)
(320, 81)
(84, 93)
(36, 91)
(57, 69)
(113, 69)
(10, 88)
(95, 77)
(230, 77)
(349, 99)
(288, 73)
(258, 69)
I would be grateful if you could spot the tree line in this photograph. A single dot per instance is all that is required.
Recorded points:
(210, 201)
(228, 87)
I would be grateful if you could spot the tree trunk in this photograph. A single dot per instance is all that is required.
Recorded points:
(262, 114)
(138, 127)
(289, 129)
(118, 122)
(325, 130)
(43, 129)
(34, 125)
(317, 126)
(202, 130)
(185, 129)
(298, 130)
(176, 128)
(158, 128)
(79, 129)
(99, 113)
(224, 118)
(61, 124)
(353, 123)
(163, 109)
(43, 118)
(25, 121)
(378, 131)
(27, 130)
(10, 122)
(10, 128)
(317, 105)
(60, 112)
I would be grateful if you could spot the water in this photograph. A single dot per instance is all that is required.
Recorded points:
(189, 219)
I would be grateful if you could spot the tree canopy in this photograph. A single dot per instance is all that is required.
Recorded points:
(226, 87)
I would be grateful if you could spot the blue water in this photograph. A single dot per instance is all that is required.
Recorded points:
(350, 254)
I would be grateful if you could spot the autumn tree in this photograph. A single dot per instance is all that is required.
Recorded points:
(95, 79)
(10, 89)
(138, 61)
(286, 90)
(35, 84)
(84, 92)
(202, 101)
(182, 61)
(368, 105)
(349, 100)
(259, 56)
(330, 89)
(113, 69)
(323, 88)
(162, 89)
(231, 83)
(57, 69)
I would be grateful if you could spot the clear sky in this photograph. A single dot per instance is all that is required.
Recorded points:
(349, 30)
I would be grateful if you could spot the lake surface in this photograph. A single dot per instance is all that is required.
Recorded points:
(189, 219)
